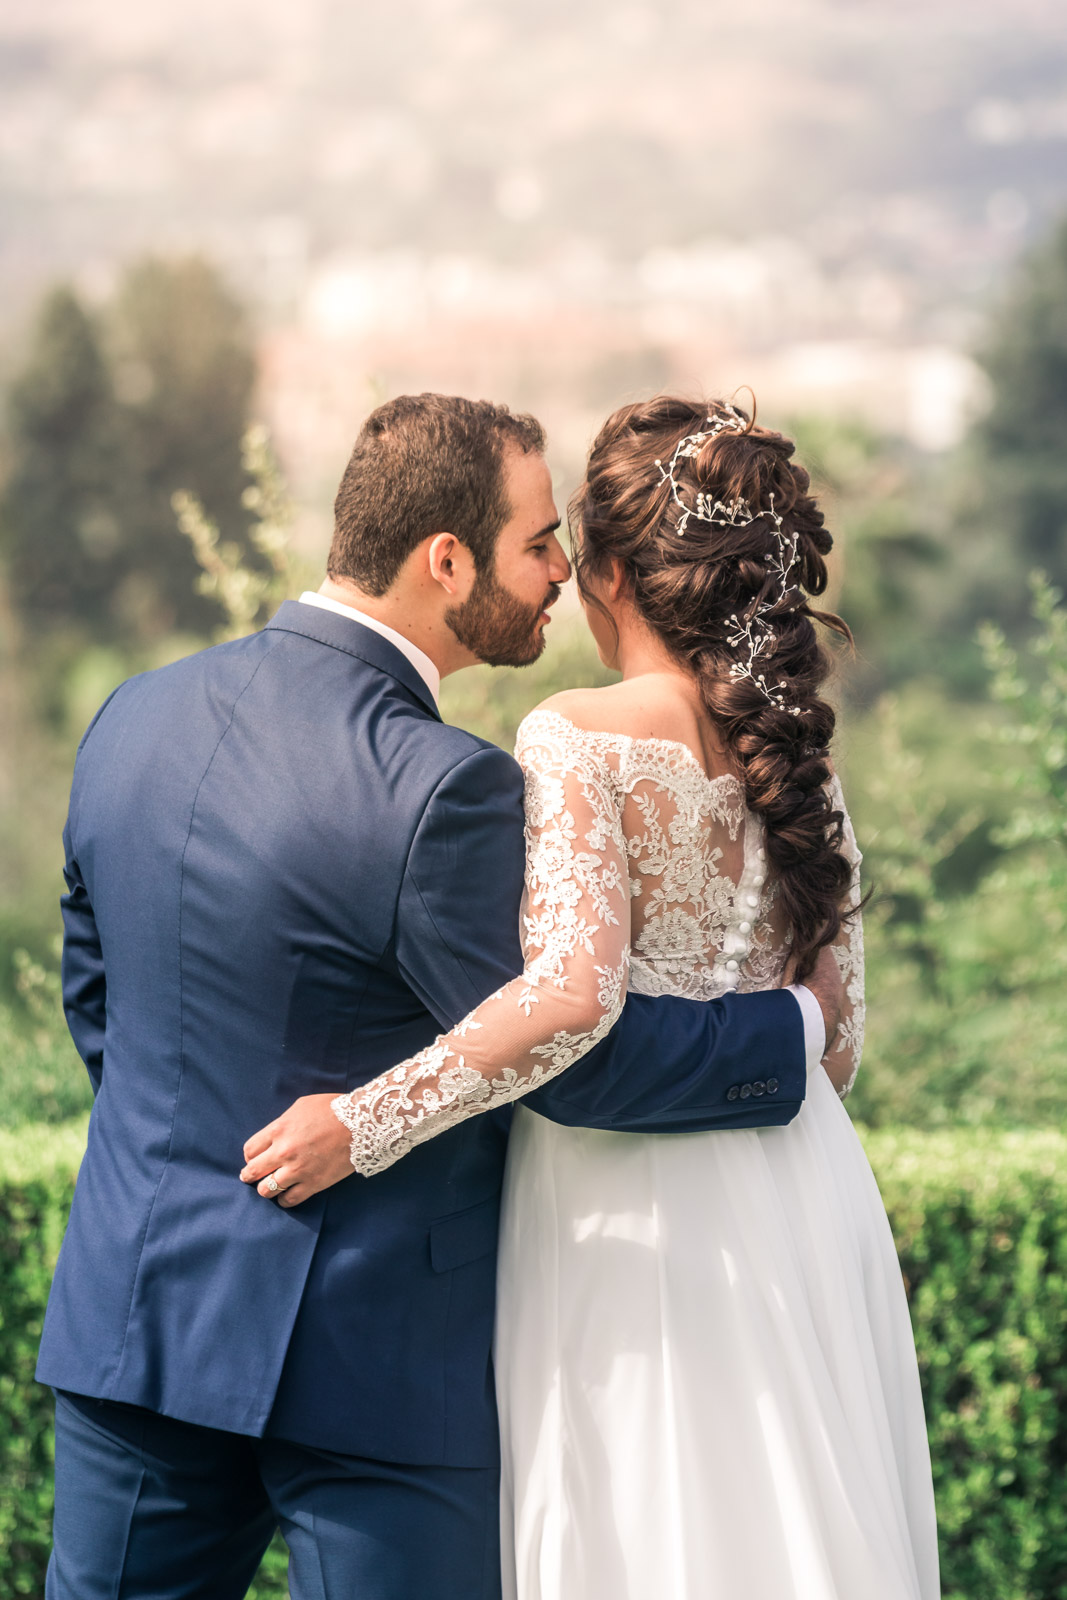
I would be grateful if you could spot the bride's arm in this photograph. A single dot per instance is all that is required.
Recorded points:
(842, 1058)
(576, 943)
(669, 1066)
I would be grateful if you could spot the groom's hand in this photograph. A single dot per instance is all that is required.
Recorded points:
(826, 984)
(302, 1151)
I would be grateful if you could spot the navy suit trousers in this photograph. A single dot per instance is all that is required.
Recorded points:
(149, 1508)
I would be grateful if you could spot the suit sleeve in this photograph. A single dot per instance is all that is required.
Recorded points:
(687, 1066)
(83, 980)
(668, 1064)
(458, 912)
(84, 983)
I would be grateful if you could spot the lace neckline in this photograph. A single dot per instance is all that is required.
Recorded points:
(632, 742)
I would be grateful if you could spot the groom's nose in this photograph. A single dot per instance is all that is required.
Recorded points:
(559, 566)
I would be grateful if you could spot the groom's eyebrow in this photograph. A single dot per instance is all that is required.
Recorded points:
(550, 527)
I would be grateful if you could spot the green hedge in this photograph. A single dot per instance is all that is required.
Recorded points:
(980, 1220)
(37, 1168)
(981, 1224)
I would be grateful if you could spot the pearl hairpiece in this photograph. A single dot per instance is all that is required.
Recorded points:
(750, 636)
(735, 513)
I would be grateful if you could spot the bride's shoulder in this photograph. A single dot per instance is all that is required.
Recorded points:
(591, 710)
(636, 708)
(580, 717)
(575, 720)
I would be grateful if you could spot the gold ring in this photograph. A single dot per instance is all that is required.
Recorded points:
(273, 1186)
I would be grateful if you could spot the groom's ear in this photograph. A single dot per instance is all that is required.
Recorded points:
(450, 564)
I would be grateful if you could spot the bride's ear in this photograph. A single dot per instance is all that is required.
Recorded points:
(610, 584)
(617, 585)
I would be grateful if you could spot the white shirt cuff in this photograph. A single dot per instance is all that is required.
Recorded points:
(814, 1026)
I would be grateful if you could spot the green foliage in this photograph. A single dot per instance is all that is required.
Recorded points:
(112, 414)
(246, 594)
(184, 372)
(967, 935)
(1036, 735)
(41, 1076)
(39, 1167)
(272, 1579)
(57, 529)
(1014, 499)
(980, 1221)
(890, 565)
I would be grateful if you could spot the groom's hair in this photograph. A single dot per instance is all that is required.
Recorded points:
(423, 464)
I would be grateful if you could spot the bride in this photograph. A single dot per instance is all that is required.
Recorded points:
(706, 1377)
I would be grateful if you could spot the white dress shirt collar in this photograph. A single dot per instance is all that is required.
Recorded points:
(418, 658)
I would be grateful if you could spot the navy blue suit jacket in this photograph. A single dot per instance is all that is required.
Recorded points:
(285, 874)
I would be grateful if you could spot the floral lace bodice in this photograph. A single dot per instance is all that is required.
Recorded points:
(641, 871)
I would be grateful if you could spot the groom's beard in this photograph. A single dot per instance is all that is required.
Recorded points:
(498, 627)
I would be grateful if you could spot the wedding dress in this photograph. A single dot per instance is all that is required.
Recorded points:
(705, 1368)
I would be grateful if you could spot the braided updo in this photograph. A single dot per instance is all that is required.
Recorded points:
(690, 579)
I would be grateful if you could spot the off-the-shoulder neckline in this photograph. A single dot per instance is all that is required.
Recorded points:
(632, 741)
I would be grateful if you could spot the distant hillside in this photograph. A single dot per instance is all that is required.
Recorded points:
(927, 139)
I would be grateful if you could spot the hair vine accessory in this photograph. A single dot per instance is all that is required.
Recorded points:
(734, 514)
(754, 636)
(751, 636)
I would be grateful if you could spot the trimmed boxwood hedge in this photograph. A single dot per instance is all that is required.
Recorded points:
(980, 1220)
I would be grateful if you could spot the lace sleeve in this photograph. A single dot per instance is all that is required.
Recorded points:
(842, 1060)
(576, 947)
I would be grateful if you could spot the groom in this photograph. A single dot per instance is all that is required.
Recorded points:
(285, 874)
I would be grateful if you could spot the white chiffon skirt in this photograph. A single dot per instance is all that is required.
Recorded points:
(705, 1369)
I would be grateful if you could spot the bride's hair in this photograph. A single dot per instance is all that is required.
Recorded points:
(698, 582)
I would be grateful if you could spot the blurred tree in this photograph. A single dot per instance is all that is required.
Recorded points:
(184, 372)
(247, 594)
(967, 946)
(109, 418)
(1014, 490)
(57, 525)
(888, 567)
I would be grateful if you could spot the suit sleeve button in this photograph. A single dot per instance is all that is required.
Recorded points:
(746, 1090)
(759, 1087)
(772, 1085)
(732, 1092)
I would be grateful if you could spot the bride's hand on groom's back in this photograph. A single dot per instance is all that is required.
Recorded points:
(304, 1150)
